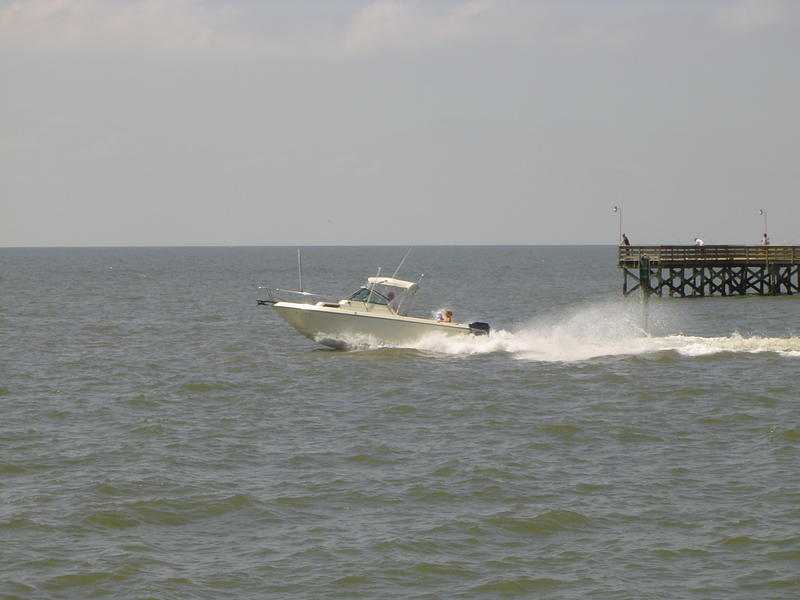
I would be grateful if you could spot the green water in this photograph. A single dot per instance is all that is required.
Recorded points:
(161, 436)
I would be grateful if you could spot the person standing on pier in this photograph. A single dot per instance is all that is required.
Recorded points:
(765, 239)
(624, 240)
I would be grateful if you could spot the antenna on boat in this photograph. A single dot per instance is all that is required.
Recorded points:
(300, 268)
(401, 262)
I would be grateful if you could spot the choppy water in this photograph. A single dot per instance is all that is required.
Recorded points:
(161, 436)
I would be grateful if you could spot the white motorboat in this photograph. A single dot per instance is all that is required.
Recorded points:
(376, 314)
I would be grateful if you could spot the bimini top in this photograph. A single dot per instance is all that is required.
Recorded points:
(392, 282)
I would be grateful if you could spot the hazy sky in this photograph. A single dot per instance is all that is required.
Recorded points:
(172, 122)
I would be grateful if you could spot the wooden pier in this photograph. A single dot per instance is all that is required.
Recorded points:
(694, 271)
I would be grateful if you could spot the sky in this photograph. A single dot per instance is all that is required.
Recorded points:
(401, 122)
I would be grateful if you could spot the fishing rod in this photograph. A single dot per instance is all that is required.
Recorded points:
(401, 262)
(300, 268)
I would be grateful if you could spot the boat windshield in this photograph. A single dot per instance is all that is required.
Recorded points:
(395, 294)
(366, 295)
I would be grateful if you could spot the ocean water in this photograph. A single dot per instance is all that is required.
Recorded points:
(162, 436)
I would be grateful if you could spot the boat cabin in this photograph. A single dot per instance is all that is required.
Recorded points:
(383, 294)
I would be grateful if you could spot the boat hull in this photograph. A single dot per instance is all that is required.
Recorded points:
(340, 328)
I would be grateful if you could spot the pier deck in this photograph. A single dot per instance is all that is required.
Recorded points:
(693, 271)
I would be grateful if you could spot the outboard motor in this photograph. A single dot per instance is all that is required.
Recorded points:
(479, 328)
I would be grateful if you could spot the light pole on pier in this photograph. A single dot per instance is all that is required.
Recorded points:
(618, 209)
(761, 211)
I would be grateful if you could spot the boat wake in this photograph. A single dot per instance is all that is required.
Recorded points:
(603, 330)
(560, 349)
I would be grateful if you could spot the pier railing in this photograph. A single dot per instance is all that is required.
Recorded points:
(678, 256)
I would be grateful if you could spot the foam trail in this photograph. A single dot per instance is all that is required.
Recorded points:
(602, 330)
(700, 346)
